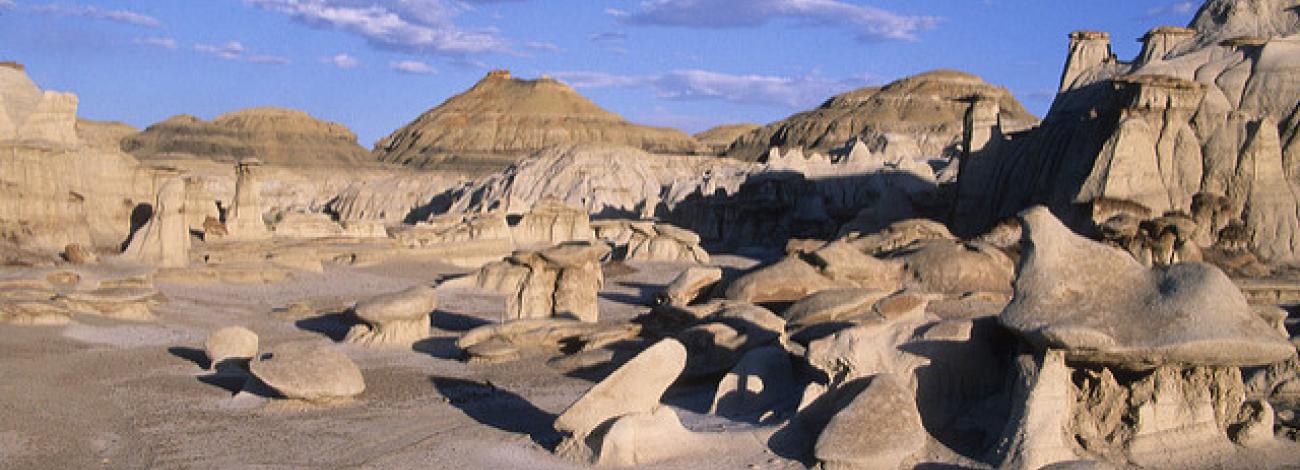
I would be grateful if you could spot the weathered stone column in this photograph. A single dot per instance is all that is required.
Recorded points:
(165, 240)
(1088, 49)
(244, 219)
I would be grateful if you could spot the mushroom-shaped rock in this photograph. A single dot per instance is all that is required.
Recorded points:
(1100, 306)
(688, 285)
(880, 428)
(309, 371)
(635, 387)
(396, 319)
(231, 342)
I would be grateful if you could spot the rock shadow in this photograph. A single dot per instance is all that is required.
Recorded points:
(439, 347)
(334, 326)
(500, 409)
(456, 322)
(198, 356)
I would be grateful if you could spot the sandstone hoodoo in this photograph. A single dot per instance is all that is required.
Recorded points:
(503, 118)
(273, 135)
(928, 109)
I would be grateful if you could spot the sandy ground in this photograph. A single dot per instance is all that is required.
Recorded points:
(101, 393)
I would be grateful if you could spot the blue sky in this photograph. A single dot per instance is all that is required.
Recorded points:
(375, 65)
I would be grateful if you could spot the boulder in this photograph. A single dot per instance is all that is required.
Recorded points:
(789, 280)
(561, 281)
(635, 387)
(832, 305)
(879, 429)
(231, 342)
(309, 371)
(760, 383)
(396, 319)
(1100, 306)
(688, 285)
(947, 267)
(76, 254)
(551, 222)
(643, 438)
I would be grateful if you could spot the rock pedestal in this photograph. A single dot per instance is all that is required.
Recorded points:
(244, 219)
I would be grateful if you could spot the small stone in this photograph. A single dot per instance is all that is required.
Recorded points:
(232, 342)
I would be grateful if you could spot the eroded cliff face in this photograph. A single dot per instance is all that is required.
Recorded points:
(929, 108)
(1214, 114)
(60, 182)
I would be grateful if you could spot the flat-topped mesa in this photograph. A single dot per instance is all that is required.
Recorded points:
(9, 64)
(1088, 49)
(1159, 42)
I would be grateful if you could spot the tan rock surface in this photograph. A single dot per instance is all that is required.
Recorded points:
(273, 135)
(310, 371)
(502, 118)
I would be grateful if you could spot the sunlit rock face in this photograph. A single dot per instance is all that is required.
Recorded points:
(1203, 111)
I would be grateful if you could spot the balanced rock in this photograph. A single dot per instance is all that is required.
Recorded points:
(396, 319)
(1101, 306)
(231, 342)
(309, 371)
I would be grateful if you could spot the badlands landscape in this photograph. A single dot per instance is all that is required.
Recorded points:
(922, 274)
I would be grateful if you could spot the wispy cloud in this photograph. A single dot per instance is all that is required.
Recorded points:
(156, 41)
(343, 61)
(608, 36)
(412, 67)
(418, 26)
(689, 85)
(543, 46)
(1177, 8)
(7, 4)
(235, 51)
(94, 12)
(867, 22)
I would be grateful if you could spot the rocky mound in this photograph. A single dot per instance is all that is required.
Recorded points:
(1211, 119)
(717, 139)
(930, 107)
(278, 136)
(501, 119)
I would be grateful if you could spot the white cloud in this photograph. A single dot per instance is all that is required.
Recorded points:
(161, 42)
(413, 67)
(794, 92)
(7, 4)
(869, 23)
(1178, 8)
(94, 12)
(235, 51)
(343, 61)
(420, 26)
(614, 36)
(543, 46)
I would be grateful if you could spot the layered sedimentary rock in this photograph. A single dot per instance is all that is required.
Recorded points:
(716, 140)
(929, 108)
(59, 182)
(721, 200)
(561, 281)
(502, 119)
(274, 135)
(1211, 116)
